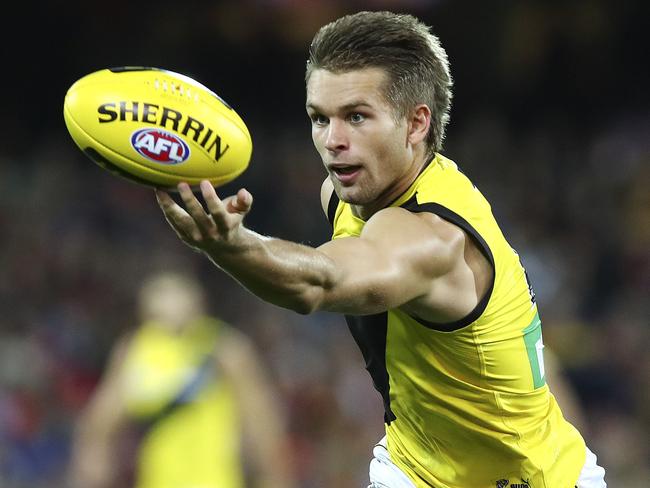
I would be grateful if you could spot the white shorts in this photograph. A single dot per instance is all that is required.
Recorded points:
(385, 474)
(592, 475)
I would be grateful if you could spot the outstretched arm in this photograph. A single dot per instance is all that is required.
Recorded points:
(399, 258)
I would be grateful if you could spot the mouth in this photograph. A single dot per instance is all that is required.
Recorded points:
(346, 174)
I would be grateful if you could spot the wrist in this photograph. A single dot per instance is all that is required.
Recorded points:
(237, 241)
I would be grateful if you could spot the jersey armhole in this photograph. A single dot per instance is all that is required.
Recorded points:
(450, 216)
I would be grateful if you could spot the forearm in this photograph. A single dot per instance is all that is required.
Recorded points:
(284, 273)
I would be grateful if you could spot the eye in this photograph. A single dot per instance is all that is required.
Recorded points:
(318, 119)
(357, 118)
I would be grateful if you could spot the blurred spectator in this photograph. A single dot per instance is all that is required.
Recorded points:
(193, 386)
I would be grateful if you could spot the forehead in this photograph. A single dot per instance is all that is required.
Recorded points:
(328, 91)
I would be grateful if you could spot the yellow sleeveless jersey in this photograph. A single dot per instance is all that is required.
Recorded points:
(192, 431)
(466, 403)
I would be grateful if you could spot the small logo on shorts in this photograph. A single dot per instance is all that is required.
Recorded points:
(503, 483)
(523, 484)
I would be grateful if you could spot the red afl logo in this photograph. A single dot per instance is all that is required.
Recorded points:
(160, 146)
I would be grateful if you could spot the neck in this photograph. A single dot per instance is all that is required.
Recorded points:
(393, 191)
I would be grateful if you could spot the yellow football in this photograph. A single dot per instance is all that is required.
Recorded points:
(156, 127)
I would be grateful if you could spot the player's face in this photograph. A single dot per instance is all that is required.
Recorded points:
(364, 149)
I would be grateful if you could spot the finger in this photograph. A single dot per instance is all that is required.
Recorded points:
(212, 200)
(169, 206)
(194, 207)
(163, 198)
(177, 217)
(242, 203)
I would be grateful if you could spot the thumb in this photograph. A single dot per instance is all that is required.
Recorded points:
(242, 202)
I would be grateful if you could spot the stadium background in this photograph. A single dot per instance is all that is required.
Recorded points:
(550, 119)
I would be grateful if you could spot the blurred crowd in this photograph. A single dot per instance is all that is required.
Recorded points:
(550, 121)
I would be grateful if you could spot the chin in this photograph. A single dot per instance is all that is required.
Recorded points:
(351, 195)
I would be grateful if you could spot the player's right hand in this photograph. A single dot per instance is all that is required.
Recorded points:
(216, 229)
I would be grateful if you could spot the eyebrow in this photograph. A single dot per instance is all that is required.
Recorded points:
(343, 108)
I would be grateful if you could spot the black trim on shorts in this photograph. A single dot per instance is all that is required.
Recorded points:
(450, 216)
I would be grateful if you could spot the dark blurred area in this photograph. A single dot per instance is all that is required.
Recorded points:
(550, 120)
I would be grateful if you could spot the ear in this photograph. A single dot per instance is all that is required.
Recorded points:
(419, 124)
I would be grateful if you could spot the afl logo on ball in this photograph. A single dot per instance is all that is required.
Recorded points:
(160, 146)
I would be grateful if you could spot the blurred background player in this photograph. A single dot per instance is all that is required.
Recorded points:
(194, 387)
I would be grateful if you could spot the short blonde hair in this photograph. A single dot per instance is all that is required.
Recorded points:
(401, 45)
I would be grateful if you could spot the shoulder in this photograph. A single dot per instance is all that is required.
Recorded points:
(328, 199)
(326, 192)
(121, 349)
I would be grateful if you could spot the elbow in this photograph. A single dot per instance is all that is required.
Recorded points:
(308, 300)
(312, 295)
(301, 299)
(305, 304)
(304, 310)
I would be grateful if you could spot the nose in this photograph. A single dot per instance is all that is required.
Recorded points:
(336, 139)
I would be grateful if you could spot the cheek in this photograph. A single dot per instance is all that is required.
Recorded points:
(317, 140)
(389, 150)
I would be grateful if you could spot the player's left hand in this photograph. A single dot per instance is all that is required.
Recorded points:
(217, 229)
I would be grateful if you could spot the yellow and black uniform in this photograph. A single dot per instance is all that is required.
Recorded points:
(466, 403)
(172, 386)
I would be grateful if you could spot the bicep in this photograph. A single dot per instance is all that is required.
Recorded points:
(397, 259)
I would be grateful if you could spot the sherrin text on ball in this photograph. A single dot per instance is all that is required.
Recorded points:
(156, 127)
